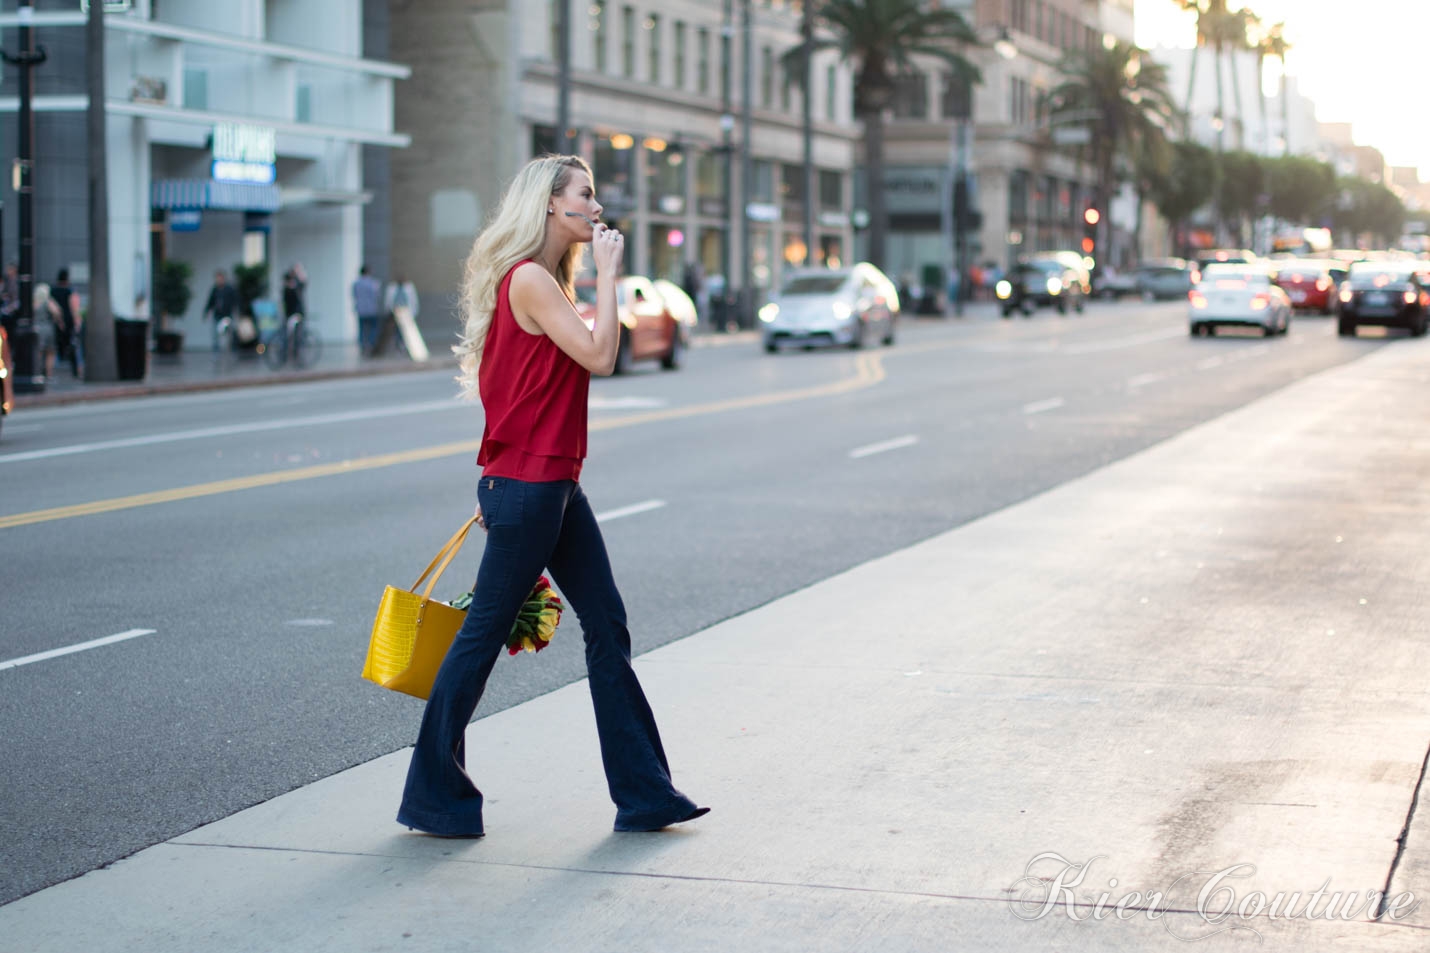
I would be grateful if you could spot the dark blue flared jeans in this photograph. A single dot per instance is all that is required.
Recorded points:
(531, 527)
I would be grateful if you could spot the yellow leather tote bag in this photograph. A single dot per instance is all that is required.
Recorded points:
(412, 633)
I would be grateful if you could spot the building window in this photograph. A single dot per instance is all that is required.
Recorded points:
(598, 33)
(787, 81)
(554, 16)
(665, 179)
(303, 109)
(710, 184)
(1038, 18)
(831, 191)
(767, 77)
(726, 64)
(831, 92)
(652, 29)
(196, 88)
(679, 78)
(628, 42)
(762, 184)
(911, 96)
(702, 61)
(792, 183)
(955, 101)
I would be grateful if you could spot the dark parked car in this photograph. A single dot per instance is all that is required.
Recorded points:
(1167, 279)
(1045, 282)
(1391, 294)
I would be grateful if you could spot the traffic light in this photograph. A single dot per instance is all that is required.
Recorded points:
(1089, 232)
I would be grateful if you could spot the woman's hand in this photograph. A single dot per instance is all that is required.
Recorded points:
(608, 248)
(478, 514)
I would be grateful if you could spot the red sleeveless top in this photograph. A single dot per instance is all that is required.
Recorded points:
(534, 396)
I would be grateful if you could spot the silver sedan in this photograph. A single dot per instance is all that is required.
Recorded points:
(844, 306)
(1238, 295)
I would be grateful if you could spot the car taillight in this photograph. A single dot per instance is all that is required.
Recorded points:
(1323, 284)
(1259, 302)
(1409, 297)
(1198, 299)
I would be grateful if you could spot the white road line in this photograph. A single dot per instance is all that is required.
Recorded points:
(257, 426)
(908, 440)
(1210, 362)
(70, 649)
(1113, 344)
(1042, 406)
(1142, 380)
(631, 510)
(625, 403)
(24, 428)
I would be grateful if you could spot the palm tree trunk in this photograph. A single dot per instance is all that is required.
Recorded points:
(1236, 94)
(1285, 113)
(874, 183)
(1220, 142)
(1261, 99)
(1192, 82)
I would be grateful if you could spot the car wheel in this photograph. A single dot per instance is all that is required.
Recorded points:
(856, 342)
(1417, 327)
(623, 354)
(888, 340)
(1082, 304)
(771, 347)
(1007, 313)
(1346, 329)
(1062, 306)
(671, 360)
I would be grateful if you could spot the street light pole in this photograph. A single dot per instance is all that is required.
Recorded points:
(747, 165)
(727, 147)
(807, 67)
(563, 76)
(29, 371)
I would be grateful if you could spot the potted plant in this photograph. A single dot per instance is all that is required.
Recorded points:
(252, 284)
(171, 296)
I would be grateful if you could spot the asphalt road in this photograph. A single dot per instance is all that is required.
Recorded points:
(252, 531)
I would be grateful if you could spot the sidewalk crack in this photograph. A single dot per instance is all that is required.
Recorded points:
(1404, 837)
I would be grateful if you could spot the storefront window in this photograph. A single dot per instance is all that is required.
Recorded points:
(712, 252)
(614, 179)
(795, 250)
(762, 188)
(761, 256)
(543, 140)
(831, 251)
(792, 183)
(667, 252)
(831, 191)
(665, 179)
(710, 185)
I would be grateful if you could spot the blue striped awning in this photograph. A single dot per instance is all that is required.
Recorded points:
(206, 193)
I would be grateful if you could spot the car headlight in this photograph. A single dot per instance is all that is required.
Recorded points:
(769, 312)
(842, 310)
(1346, 295)
(1055, 286)
(1004, 289)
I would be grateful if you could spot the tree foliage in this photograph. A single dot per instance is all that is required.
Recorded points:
(1300, 188)
(1365, 207)
(1188, 184)
(881, 39)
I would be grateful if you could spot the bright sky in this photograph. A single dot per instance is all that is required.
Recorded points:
(1359, 61)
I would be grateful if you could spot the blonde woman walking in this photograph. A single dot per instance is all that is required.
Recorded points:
(530, 358)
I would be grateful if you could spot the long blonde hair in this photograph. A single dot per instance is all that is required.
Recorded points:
(516, 232)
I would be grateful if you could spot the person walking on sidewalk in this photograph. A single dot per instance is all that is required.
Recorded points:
(526, 353)
(223, 300)
(71, 323)
(367, 302)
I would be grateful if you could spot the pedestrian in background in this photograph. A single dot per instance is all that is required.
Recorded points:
(71, 324)
(401, 293)
(528, 355)
(45, 323)
(367, 302)
(223, 301)
(295, 289)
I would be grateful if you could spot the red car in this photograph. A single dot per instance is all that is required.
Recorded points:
(656, 319)
(7, 389)
(1311, 284)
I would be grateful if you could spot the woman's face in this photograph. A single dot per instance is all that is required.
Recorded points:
(578, 196)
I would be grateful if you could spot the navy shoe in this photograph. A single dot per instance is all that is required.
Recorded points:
(646, 827)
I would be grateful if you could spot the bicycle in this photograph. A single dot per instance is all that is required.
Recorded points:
(292, 341)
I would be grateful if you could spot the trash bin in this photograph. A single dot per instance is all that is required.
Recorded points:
(131, 345)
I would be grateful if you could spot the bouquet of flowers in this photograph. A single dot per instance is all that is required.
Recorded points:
(535, 623)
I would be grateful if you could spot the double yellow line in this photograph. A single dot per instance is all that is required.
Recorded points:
(869, 370)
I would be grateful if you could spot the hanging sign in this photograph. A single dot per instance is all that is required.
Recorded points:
(244, 153)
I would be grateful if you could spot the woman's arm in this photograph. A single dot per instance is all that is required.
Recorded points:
(536, 296)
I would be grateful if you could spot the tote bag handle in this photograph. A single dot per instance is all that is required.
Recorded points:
(444, 556)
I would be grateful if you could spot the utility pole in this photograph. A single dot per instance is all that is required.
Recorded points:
(563, 76)
(807, 31)
(747, 164)
(101, 360)
(29, 372)
(727, 147)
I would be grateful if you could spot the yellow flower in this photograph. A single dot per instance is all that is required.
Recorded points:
(527, 644)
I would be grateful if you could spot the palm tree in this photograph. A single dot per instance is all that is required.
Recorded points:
(1273, 43)
(1120, 95)
(1235, 38)
(881, 38)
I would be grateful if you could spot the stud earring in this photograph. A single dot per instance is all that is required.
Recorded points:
(551, 211)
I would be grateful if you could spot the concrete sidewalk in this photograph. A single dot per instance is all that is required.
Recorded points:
(1210, 654)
